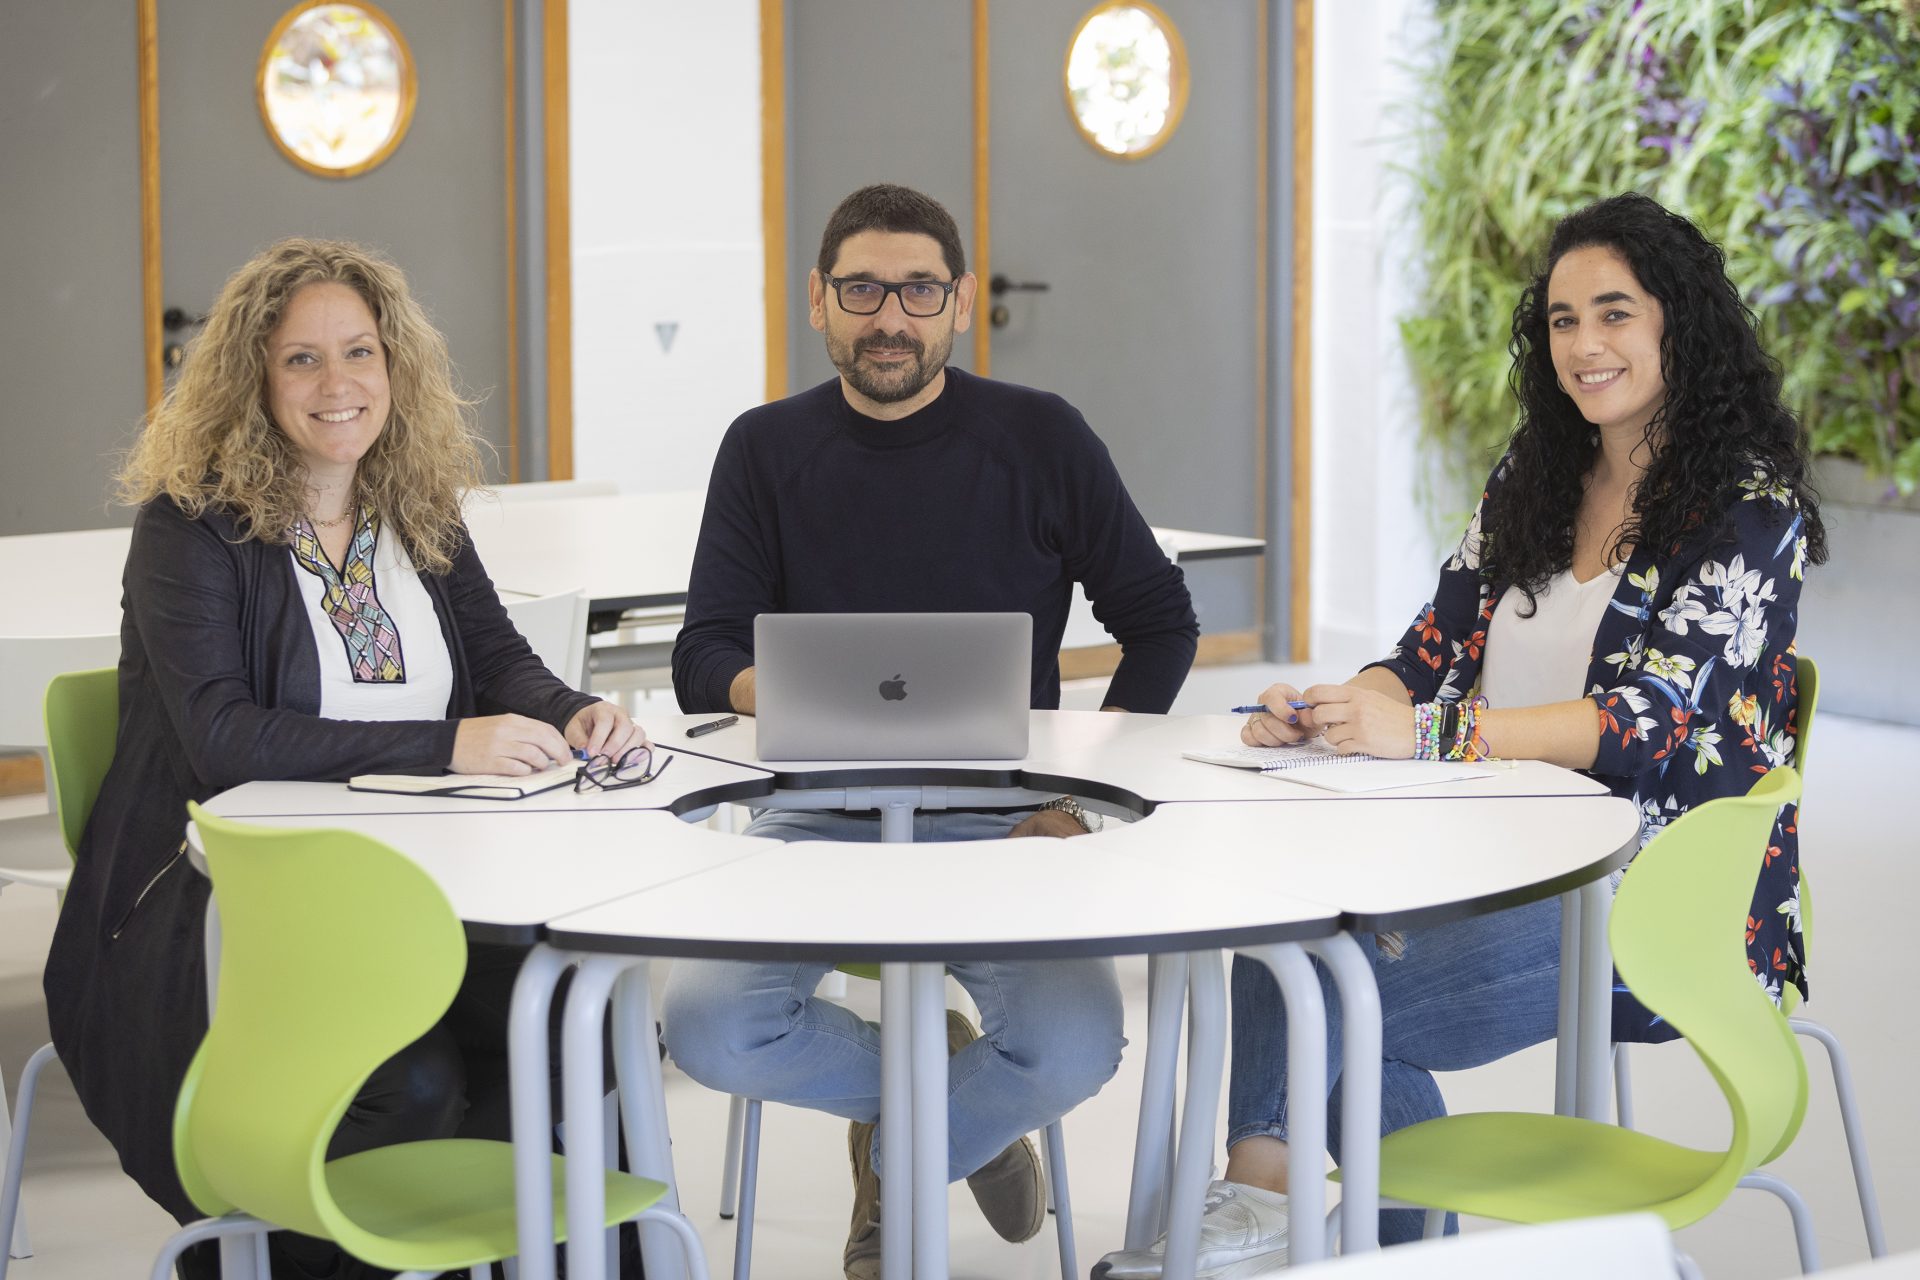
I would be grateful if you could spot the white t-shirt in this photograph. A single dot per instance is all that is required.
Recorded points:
(420, 657)
(1542, 659)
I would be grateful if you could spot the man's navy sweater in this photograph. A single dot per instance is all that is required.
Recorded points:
(992, 498)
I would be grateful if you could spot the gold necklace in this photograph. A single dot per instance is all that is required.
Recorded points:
(353, 509)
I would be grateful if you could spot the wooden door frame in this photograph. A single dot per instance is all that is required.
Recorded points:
(1233, 646)
(559, 275)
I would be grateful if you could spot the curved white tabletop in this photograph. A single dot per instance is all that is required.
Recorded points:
(691, 782)
(847, 902)
(575, 859)
(1410, 864)
(1128, 760)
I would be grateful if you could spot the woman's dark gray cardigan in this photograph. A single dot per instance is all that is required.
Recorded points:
(220, 685)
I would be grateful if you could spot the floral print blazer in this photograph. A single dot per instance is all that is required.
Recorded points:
(1693, 675)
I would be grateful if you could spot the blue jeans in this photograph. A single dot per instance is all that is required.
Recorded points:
(1461, 995)
(1049, 1029)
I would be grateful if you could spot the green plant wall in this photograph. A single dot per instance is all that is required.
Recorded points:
(1785, 128)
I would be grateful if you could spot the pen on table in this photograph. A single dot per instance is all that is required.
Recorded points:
(1261, 709)
(711, 725)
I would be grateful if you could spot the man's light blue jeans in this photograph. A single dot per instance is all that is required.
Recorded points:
(1050, 1029)
(1460, 995)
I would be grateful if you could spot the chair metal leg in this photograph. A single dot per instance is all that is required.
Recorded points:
(677, 1223)
(13, 1226)
(749, 1186)
(1850, 1123)
(1058, 1196)
(1333, 1231)
(730, 1168)
(1803, 1236)
(1435, 1225)
(194, 1232)
(1622, 1088)
(1686, 1268)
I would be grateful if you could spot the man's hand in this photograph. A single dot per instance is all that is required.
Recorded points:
(1048, 822)
(740, 692)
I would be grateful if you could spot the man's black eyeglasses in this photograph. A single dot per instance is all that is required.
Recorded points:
(918, 298)
(634, 768)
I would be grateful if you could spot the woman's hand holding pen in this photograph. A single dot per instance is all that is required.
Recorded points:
(1287, 718)
(1352, 718)
(603, 729)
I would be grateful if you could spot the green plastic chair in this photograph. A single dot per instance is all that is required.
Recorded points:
(1807, 686)
(82, 710)
(337, 952)
(1678, 941)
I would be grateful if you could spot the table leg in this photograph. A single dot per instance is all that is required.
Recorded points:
(1360, 1034)
(1147, 1198)
(1306, 1095)
(896, 1121)
(1566, 1061)
(1206, 1061)
(1596, 1001)
(581, 1083)
(928, 1003)
(532, 1107)
(643, 1103)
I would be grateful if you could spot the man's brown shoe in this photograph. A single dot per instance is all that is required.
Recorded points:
(1011, 1188)
(862, 1258)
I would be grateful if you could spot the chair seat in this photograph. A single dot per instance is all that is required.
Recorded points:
(448, 1204)
(1522, 1167)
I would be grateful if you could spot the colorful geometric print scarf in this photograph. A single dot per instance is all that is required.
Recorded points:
(371, 639)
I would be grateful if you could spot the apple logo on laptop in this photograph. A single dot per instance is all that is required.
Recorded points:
(894, 690)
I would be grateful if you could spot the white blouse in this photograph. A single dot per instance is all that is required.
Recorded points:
(420, 658)
(1534, 661)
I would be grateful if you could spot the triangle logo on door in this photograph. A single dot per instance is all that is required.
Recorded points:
(666, 330)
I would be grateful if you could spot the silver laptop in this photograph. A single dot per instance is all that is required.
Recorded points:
(899, 686)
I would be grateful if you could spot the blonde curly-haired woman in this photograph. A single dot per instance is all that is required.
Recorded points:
(300, 601)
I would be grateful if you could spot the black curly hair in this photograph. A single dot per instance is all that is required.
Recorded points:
(1721, 421)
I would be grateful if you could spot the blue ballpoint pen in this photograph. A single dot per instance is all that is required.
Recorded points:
(1263, 710)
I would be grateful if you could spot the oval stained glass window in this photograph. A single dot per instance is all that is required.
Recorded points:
(1126, 79)
(336, 87)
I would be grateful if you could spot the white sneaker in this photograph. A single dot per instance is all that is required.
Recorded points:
(1243, 1232)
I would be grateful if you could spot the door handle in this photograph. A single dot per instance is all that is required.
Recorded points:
(177, 318)
(1000, 284)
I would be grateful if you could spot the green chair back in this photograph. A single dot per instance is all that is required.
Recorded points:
(336, 953)
(1676, 945)
(83, 716)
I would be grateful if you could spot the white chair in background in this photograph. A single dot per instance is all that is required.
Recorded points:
(1635, 1245)
(556, 627)
(546, 490)
(27, 663)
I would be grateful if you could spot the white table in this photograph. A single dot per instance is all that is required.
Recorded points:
(1115, 893)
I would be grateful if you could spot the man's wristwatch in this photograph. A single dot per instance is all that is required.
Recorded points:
(1075, 810)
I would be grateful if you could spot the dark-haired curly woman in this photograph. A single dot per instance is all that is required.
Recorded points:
(1624, 603)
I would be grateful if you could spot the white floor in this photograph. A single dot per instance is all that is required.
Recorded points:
(87, 1220)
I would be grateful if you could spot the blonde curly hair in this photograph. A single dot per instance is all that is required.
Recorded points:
(212, 442)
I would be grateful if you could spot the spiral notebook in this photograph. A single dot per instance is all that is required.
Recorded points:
(1318, 765)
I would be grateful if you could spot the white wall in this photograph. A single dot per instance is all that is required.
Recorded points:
(1374, 559)
(665, 116)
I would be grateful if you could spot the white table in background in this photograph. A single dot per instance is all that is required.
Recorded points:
(635, 550)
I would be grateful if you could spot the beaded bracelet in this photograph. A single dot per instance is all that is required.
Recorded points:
(1426, 731)
(1467, 742)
